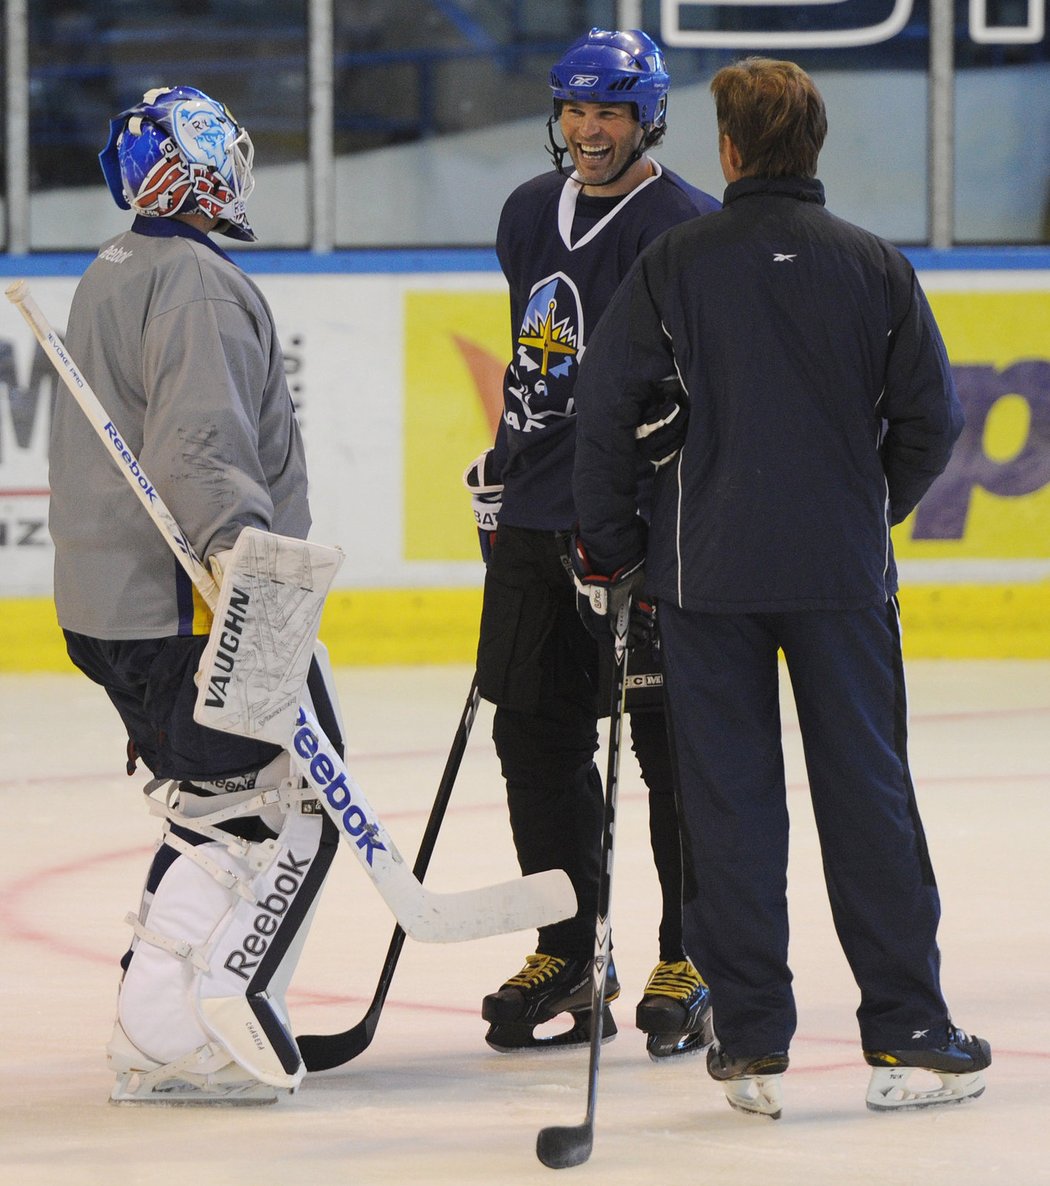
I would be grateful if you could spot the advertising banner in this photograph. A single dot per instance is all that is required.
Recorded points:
(396, 379)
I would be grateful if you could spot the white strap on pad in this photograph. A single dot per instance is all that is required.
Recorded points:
(255, 665)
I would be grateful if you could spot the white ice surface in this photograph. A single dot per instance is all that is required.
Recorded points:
(428, 1102)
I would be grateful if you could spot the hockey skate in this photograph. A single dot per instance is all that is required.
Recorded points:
(544, 988)
(675, 1011)
(958, 1064)
(751, 1083)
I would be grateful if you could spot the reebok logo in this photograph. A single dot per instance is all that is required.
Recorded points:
(583, 80)
(243, 960)
(333, 785)
(229, 644)
(780, 257)
(114, 255)
(125, 455)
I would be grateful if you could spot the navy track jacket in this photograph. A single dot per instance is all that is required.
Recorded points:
(821, 407)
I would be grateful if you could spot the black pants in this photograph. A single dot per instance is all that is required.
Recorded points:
(848, 683)
(150, 683)
(540, 667)
(651, 745)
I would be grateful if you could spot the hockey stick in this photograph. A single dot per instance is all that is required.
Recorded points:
(521, 904)
(561, 1146)
(321, 1052)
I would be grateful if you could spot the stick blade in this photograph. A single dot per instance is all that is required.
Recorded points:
(562, 1146)
(536, 900)
(322, 1052)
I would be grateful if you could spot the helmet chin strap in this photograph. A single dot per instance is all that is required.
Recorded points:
(557, 152)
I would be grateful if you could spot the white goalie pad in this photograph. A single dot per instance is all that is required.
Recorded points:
(201, 1008)
(255, 665)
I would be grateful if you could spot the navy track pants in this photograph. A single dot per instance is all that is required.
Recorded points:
(848, 683)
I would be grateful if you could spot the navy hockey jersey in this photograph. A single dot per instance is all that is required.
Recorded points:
(564, 253)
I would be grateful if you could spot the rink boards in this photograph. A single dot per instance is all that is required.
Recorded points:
(395, 360)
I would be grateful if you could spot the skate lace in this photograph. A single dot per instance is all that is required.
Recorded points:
(538, 970)
(677, 980)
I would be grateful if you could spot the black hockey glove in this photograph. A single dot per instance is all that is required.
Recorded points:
(486, 498)
(662, 433)
(642, 630)
(600, 598)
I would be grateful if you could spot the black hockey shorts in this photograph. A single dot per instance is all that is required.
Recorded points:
(534, 654)
(150, 682)
(534, 651)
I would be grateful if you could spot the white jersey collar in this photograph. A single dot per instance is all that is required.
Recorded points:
(567, 207)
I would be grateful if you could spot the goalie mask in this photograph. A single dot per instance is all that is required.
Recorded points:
(179, 151)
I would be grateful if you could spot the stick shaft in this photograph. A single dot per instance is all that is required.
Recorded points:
(562, 1146)
(321, 1052)
(603, 924)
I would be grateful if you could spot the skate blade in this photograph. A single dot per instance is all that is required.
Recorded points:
(134, 1089)
(755, 1095)
(889, 1090)
(510, 1037)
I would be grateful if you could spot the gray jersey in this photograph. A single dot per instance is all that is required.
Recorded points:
(179, 346)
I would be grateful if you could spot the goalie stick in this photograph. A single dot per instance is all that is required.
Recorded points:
(521, 904)
(321, 1052)
(562, 1146)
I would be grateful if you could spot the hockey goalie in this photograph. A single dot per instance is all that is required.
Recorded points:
(181, 347)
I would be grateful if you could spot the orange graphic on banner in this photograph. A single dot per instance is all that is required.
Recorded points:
(486, 369)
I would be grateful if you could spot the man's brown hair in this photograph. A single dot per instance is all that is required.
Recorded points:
(773, 114)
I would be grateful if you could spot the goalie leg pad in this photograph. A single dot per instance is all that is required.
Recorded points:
(218, 934)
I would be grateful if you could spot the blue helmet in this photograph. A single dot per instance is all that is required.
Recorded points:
(615, 67)
(179, 151)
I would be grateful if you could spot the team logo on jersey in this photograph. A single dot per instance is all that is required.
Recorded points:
(549, 345)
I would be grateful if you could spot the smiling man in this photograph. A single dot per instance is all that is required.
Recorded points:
(565, 241)
(605, 142)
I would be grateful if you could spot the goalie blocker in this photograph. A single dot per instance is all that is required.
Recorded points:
(254, 669)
